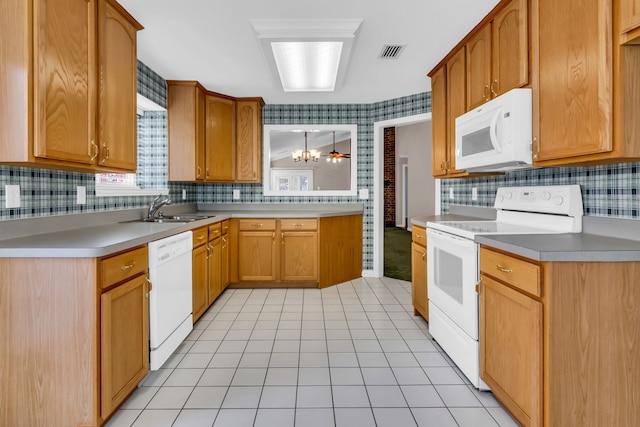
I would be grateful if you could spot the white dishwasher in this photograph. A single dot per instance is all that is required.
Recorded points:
(170, 304)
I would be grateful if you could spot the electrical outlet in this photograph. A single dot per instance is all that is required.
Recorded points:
(236, 194)
(474, 193)
(451, 194)
(184, 194)
(363, 194)
(12, 196)
(81, 195)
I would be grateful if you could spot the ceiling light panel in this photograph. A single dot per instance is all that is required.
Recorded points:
(307, 66)
(308, 55)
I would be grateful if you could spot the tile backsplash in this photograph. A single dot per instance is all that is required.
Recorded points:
(607, 190)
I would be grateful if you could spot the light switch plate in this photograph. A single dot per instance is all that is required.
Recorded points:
(12, 196)
(451, 194)
(236, 194)
(81, 195)
(363, 193)
(184, 194)
(474, 193)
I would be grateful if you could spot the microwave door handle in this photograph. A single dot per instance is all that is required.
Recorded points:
(493, 131)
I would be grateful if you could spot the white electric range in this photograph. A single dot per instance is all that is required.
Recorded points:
(453, 257)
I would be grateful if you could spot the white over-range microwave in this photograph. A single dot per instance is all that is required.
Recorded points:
(496, 136)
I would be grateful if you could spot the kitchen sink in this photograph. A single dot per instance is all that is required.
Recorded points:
(173, 218)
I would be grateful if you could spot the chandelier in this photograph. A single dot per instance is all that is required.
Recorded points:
(306, 155)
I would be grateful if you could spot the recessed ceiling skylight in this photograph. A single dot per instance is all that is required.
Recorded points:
(307, 55)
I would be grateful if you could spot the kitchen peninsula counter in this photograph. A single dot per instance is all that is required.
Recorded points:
(100, 234)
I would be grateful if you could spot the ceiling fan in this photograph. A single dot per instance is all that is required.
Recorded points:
(334, 156)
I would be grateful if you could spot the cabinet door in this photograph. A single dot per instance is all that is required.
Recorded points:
(574, 89)
(220, 139)
(215, 258)
(257, 255)
(629, 15)
(479, 68)
(124, 341)
(64, 92)
(419, 280)
(224, 267)
(249, 141)
(200, 132)
(439, 122)
(456, 103)
(510, 48)
(299, 255)
(117, 96)
(511, 349)
(200, 281)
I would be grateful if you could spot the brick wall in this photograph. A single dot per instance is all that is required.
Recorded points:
(390, 177)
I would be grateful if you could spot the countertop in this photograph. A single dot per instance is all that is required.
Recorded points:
(602, 239)
(117, 232)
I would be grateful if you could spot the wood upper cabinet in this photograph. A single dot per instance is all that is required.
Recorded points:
(213, 137)
(186, 130)
(58, 66)
(479, 68)
(439, 140)
(419, 272)
(586, 92)
(629, 11)
(220, 138)
(117, 137)
(498, 55)
(510, 48)
(249, 139)
(64, 87)
(456, 105)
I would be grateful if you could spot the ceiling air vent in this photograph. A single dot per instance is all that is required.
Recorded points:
(391, 51)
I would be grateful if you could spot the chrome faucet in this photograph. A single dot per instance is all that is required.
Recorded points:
(156, 204)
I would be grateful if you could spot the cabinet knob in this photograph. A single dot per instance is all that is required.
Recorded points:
(494, 86)
(95, 150)
(106, 152)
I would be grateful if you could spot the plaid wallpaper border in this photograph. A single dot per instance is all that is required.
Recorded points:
(610, 190)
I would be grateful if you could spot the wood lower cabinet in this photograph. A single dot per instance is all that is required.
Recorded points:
(419, 294)
(511, 349)
(257, 250)
(200, 277)
(307, 251)
(225, 249)
(299, 249)
(77, 78)
(78, 333)
(554, 339)
(124, 341)
(208, 267)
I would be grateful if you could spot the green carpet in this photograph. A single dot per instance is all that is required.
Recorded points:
(397, 253)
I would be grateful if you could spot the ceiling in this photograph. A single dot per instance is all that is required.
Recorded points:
(213, 41)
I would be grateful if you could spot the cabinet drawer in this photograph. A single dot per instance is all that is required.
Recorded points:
(199, 236)
(123, 266)
(225, 226)
(215, 231)
(419, 235)
(257, 224)
(520, 274)
(298, 224)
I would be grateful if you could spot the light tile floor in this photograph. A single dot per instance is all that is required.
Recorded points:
(349, 355)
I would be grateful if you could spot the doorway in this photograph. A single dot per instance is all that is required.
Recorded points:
(378, 186)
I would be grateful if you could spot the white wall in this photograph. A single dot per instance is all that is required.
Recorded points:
(414, 142)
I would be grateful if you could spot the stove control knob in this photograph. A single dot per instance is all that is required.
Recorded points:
(500, 198)
(557, 200)
(508, 195)
(546, 195)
